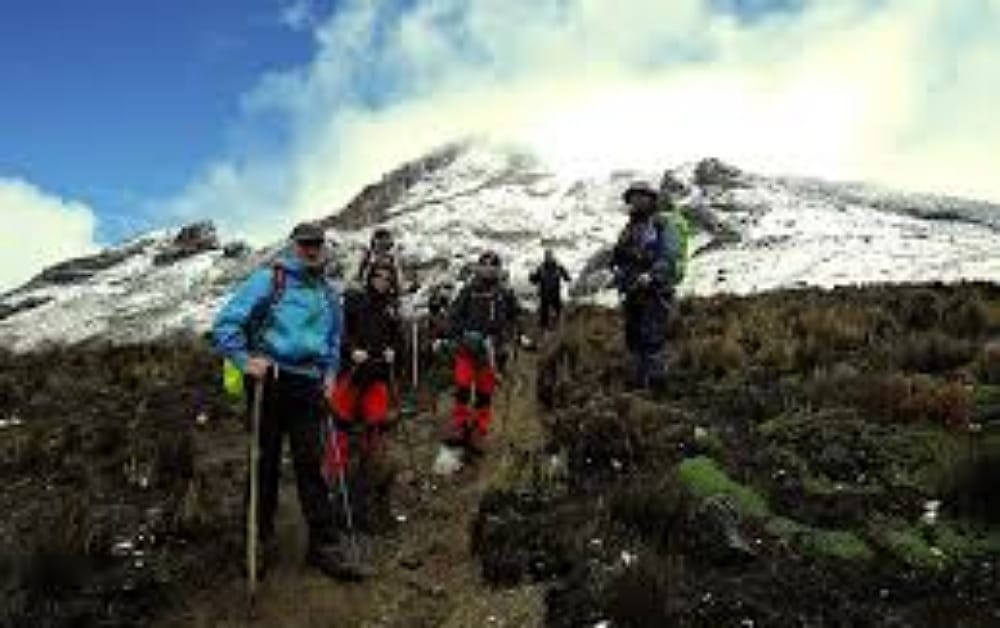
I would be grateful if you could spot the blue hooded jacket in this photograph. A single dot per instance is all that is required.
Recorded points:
(301, 333)
(645, 246)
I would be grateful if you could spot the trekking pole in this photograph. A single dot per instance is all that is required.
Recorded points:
(511, 382)
(345, 496)
(415, 379)
(404, 428)
(491, 358)
(258, 395)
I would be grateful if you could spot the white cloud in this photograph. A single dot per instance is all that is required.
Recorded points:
(902, 92)
(39, 229)
(299, 15)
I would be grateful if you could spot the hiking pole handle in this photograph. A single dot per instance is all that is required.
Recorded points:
(399, 421)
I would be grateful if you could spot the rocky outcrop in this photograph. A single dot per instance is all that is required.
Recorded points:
(712, 171)
(78, 270)
(236, 250)
(671, 184)
(9, 310)
(370, 206)
(595, 275)
(190, 240)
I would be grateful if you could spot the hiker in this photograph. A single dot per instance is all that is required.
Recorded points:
(433, 348)
(282, 327)
(363, 395)
(647, 261)
(381, 252)
(483, 318)
(549, 277)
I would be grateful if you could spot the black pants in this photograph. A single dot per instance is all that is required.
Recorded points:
(646, 314)
(549, 312)
(292, 405)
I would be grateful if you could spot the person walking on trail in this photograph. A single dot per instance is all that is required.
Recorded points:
(647, 262)
(483, 319)
(380, 253)
(282, 328)
(433, 345)
(549, 277)
(364, 392)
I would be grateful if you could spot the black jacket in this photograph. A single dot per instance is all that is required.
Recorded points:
(491, 309)
(549, 277)
(371, 323)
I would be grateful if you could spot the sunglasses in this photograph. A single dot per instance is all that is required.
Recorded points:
(309, 244)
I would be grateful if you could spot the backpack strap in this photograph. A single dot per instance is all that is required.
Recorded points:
(260, 315)
(279, 277)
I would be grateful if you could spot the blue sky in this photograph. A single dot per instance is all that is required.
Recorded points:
(119, 115)
(117, 102)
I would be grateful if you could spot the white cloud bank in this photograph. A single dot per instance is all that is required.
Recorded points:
(902, 92)
(39, 229)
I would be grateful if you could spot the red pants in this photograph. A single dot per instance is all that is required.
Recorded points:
(475, 382)
(358, 409)
(368, 403)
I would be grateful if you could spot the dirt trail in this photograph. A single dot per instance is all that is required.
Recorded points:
(426, 575)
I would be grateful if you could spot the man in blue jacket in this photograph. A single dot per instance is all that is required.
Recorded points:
(283, 326)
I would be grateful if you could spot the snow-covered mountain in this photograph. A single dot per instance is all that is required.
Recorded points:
(754, 233)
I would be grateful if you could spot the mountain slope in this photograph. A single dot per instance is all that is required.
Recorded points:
(755, 233)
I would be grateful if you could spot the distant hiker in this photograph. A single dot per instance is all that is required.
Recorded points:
(382, 253)
(364, 393)
(647, 262)
(549, 277)
(483, 319)
(282, 326)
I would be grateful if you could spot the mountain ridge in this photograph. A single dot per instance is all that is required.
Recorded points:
(754, 233)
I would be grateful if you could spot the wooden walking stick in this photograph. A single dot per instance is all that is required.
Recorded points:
(254, 448)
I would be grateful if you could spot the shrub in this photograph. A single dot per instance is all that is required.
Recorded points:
(703, 478)
(988, 364)
(651, 507)
(966, 315)
(646, 592)
(919, 398)
(933, 352)
(714, 356)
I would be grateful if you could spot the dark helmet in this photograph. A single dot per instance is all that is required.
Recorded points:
(438, 301)
(489, 258)
(639, 188)
(382, 239)
(488, 265)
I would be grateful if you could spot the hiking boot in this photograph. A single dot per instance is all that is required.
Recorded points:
(338, 561)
